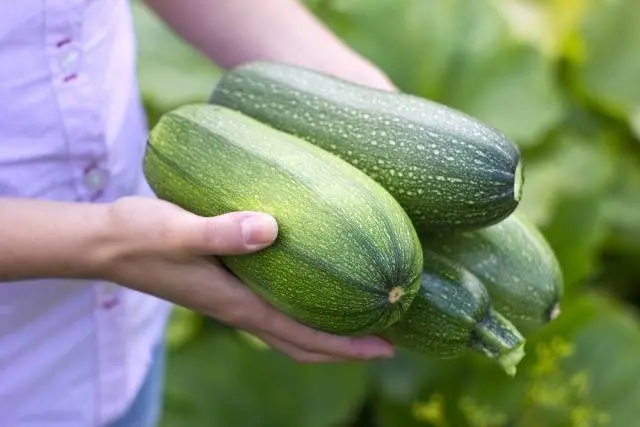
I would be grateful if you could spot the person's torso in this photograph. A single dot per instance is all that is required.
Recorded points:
(72, 128)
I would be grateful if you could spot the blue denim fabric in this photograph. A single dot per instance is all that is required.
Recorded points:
(146, 409)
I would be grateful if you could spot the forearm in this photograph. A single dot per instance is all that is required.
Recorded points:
(231, 32)
(45, 239)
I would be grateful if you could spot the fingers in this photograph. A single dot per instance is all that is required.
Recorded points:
(229, 234)
(267, 320)
(297, 354)
(234, 303)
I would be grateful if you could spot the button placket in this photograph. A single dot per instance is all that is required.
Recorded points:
(78, 97)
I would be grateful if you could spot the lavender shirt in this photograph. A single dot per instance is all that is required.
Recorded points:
(72, 353)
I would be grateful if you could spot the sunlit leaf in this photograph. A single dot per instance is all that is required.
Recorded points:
(549, 25)
(635, 123)
(609, 69)
(580, 371)
(183, 326)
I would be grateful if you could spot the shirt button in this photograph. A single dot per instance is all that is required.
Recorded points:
(69, 59)
(96, 179)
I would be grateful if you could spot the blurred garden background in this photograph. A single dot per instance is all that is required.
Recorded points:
(562, 78)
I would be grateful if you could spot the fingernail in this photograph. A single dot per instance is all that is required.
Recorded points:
(259, 230)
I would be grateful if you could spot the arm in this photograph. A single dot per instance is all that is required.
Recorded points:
(49, 239)
(158, 248)
(231, 32)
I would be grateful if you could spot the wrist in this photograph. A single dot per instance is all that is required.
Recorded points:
(49, 239)
(101, 243)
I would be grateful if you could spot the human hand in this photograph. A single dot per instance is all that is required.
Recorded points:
(368, 74)
(160, 249)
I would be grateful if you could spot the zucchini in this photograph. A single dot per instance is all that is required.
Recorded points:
(516, 265)
(446, 169)
(347, 259)
(453, 314)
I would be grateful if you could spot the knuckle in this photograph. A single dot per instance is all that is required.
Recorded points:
(248, 315)
(207, 234)
(317, 341)
(222, 234)
(238, 315)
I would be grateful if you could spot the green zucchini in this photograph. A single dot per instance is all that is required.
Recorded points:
(347, 259)
(516, 265)
(446, 169)
(453, 314)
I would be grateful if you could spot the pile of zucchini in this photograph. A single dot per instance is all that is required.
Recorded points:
(397, 215)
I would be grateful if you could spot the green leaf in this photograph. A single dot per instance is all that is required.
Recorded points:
(549, 25)
(609, 66)
(581, 370)
(513, 90)
(622, 206)
(221, 380)
(635, 123)
(457, 52)
(576, 234)
(411, 40)
(184, 325)
(170, 71)
(399, 379)
(563, 193)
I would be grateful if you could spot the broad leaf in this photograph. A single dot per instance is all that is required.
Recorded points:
(170, 71)
(609, 68)
(580, 371)
(513, 90)
(411, 40)
(221, 380)
(457, 52)
(622, 206)
(184, 325)
(563, 193)
(549, 25)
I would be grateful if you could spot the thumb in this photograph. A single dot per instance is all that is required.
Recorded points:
(231, 234)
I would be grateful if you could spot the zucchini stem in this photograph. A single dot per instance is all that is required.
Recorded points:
(395, 294)
(497, 338)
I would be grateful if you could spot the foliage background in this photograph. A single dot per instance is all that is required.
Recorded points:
(562, 78)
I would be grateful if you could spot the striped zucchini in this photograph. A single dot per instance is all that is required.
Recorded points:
(446, 169)
(516, 265)
(452, 314)
(347, 259)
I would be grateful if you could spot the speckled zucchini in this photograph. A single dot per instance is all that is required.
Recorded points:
(516, 265)
(347, 259)
(453, 314)
(446, 169)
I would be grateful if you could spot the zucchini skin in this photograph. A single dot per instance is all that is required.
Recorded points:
(446, 169)
(453, 314)
(515, 263)
(346, 260)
